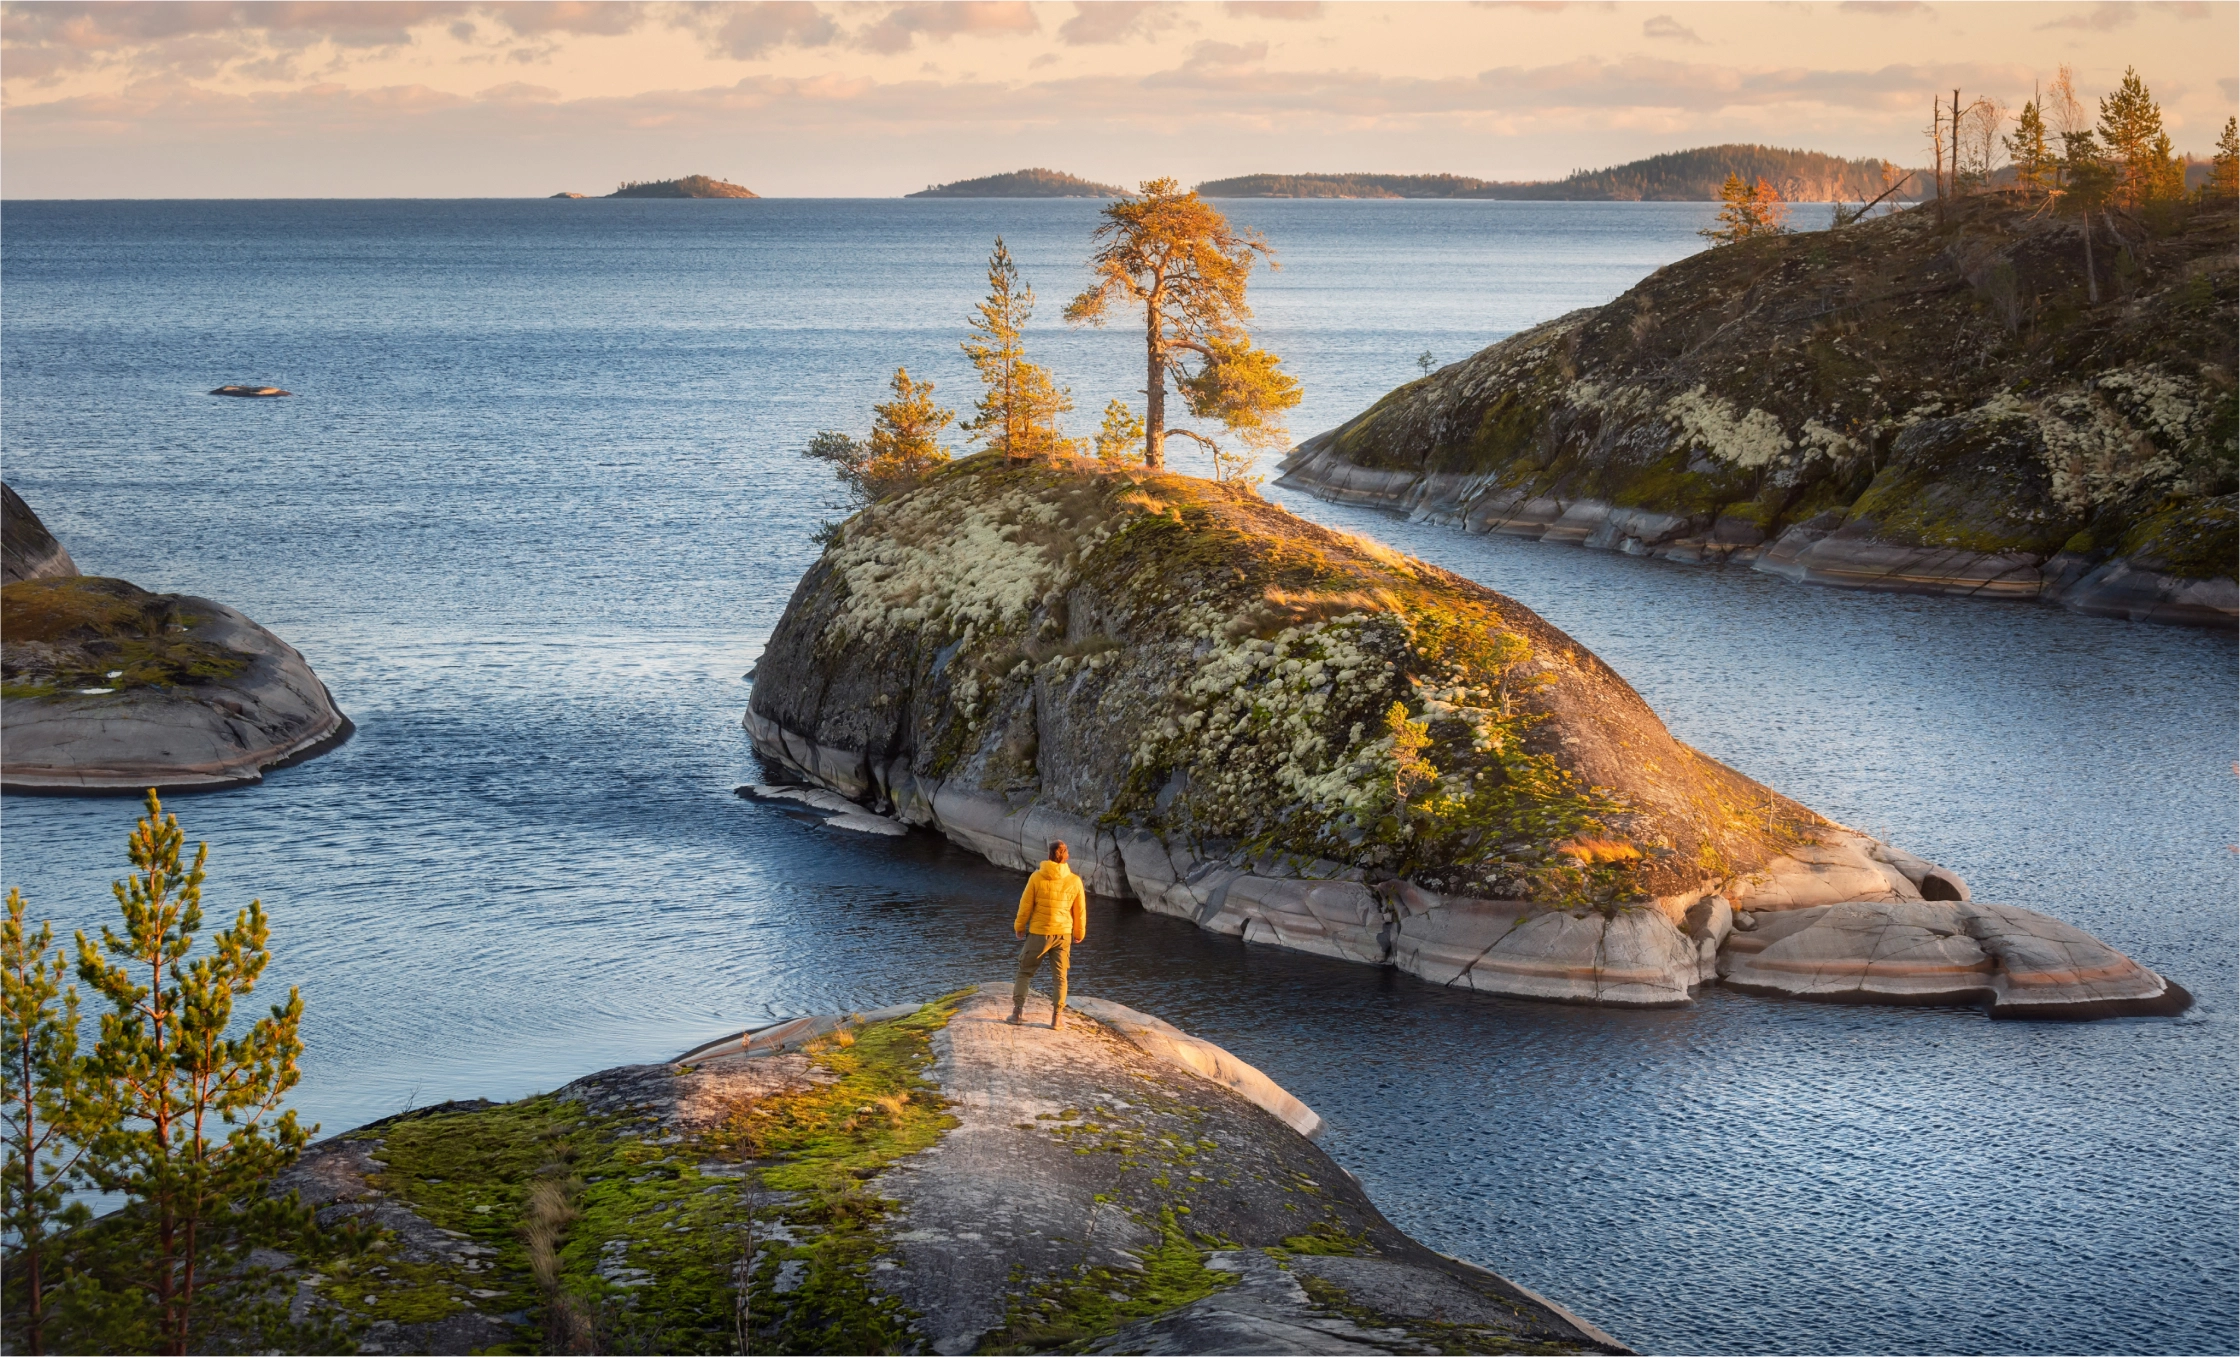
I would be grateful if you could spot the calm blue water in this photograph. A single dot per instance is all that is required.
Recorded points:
(536, 505)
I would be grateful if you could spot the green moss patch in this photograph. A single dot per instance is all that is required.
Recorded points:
(85, 631)
(819, 1228)
(1068, 1314)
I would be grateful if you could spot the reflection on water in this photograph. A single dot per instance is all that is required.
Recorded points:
(537, 508)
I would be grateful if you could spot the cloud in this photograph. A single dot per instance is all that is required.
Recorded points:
(2114, 14)
(517, 92)
(1546, 6)
(1106, 21)
(903, 24)
(1889, 9)
(744, 31)
(1217, 54)
(266, 39)
(1294, 11)
(1665, 26)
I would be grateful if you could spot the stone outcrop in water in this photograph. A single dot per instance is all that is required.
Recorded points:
(27, 550)
(1299, 737)
(1886, 406)
(111, 689)
(920, 1178)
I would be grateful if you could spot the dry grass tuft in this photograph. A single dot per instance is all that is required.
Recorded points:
(1599, 850)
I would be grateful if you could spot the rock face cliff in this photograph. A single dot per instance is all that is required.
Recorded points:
(922, 1178)
(1307, 739)
(27, 550)
(1885, 406)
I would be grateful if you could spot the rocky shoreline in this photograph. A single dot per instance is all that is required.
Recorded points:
(1124, 661)
(1893, 405)
(921, 1178)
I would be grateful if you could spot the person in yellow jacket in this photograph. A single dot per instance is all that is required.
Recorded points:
(1053, 915)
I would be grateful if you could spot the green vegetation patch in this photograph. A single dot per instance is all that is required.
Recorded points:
(89, 632)
(1067, 1314)
(636, 1205)
(818, 1226)
(2195, 539)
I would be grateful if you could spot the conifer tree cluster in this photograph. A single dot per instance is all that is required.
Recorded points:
(1164, 250)
(173, 1110)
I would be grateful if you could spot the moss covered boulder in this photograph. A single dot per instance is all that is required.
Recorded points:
(110, 689)
(1966, 409)
(925, 1178)
(1285, 733)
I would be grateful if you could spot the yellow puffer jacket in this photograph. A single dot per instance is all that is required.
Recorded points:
(1053, 903)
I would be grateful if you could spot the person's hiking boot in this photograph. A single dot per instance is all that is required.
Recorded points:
(1058, 1022)
(1017, 1010)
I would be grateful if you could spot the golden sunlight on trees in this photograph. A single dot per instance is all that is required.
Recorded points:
(2224, 169)
(1746, 211)
(904, 448)
(1120, 439)
(1176, 256)
(1018, 416)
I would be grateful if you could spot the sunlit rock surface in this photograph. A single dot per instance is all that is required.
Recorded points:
(1195, 690)
(1887, 406)
(1118, 1186)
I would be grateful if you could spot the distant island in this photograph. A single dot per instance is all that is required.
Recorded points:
(1021, 184)
(1678, 176)
(691, 186)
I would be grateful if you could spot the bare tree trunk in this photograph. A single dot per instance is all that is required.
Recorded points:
(31, 1243)
(2091, 279)
(1956, 143)
(1154, 393)
(1936, 141)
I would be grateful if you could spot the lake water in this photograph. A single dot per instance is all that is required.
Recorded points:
(536, 504)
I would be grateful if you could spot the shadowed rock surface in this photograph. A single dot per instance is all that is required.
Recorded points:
(27, 550)
(1014, 1189)
(1291, 735)
(1884, 406)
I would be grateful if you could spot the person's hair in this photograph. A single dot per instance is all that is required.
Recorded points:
(1058, 851)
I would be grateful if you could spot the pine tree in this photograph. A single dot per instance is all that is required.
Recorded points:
(1120, 439)
(48, 1116)
(2028, 150)
(173, 1081)
(1019, 414)
(2132, 137)
(1176, 256)
(905, 444)
(2224, 168)
(1746, 212)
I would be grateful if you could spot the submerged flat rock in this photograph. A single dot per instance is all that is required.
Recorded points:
(1289, 735)
(924, 1178)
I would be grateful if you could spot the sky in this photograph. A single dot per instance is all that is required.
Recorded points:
(430, 98)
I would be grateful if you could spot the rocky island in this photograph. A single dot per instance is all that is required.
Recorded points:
(1021, 184)
(106, 688)
(921, 1178)
(1307, 739)
(1994, 408)
(691, 186)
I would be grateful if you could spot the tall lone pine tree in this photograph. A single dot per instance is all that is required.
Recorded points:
(1174, 254)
